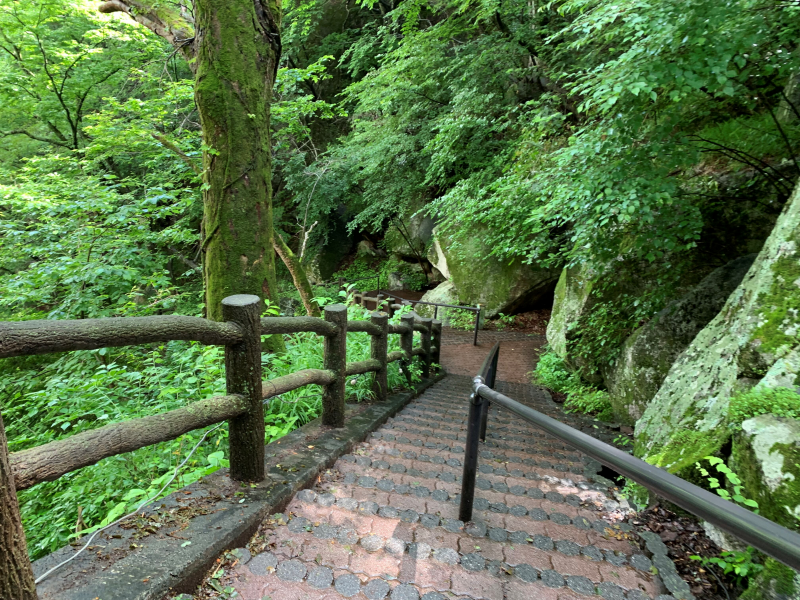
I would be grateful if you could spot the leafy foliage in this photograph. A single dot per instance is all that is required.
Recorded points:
(781, 402)
(552, 372)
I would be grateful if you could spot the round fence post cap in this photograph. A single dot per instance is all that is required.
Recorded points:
(240, 300)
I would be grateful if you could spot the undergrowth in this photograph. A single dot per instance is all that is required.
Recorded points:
(552, 372)
(364, 267)
(781, 402)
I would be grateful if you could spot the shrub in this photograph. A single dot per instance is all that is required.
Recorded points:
(551, 372)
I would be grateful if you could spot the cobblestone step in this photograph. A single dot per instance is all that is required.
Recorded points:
(478, 534)
(499, 480)
(516, 443)
(525, 515)
(382, 546)
(455, 451)
(383, 521)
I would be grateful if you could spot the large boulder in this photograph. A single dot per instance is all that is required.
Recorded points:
(766, 456)
(649, 352)
(572, 300)
(755, 336)
(501, 286)
(444, 293)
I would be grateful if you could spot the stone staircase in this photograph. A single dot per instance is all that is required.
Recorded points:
(383, 522)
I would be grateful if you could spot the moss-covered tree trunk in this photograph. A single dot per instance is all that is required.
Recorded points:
(233, 47)
(16, 577)
(238, 47)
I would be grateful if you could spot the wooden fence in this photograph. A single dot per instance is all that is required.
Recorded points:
(242, 407)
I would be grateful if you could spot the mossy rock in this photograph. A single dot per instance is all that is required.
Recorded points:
(758, 326)
(444, 293)
(649, 352)
(766, 456)
(501, 286)
(775, 582)
(571, 298)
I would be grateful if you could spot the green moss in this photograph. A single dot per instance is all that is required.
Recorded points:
(683, 448)
(780, 304)
(778, 502)
(776, 578)
(781, 402)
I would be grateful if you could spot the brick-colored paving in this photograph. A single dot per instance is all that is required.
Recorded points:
(383, 522)
(517, 353)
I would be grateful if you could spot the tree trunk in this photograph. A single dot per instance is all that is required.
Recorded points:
(237, 52)
(16, 576)
(298, 276)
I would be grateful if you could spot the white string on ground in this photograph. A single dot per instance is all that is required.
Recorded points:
(150, 499)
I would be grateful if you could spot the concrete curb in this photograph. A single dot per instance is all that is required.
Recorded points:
(179, 537)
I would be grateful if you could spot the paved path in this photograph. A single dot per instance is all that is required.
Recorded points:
(517, 353)
(382, 523)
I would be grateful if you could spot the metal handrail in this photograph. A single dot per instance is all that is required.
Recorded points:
(770, 538)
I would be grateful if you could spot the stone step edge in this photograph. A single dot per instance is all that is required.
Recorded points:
(490, 454)
(530, 448)
(655, 549)
(481, 482)
(589, 472)
(478, 529)
(470, 562)
(320, 577)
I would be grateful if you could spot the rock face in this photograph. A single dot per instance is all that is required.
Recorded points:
(766, 456)
(756, 335)
(650, 351)
(571, 301)
(493, 283)
(444, 293)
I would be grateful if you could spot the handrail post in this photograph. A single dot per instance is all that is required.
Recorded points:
(335, 359)
(16, 575)
(476, 403)
(437, 341)
(243, 376)
(407, 344)
(378, 299)
(427, 357)
(379, 345)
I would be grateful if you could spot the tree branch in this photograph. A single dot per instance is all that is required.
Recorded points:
(176, 27)
(34, 137)
(186, 158)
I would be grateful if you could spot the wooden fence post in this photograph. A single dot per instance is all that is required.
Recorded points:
(427, 356)
(243, 376)
(378, 300)
(335, 359)
(407, 345)
(16, 576)
(379, 345)
(437, 342)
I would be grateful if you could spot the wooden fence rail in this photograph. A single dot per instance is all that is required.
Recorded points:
(242, 407)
